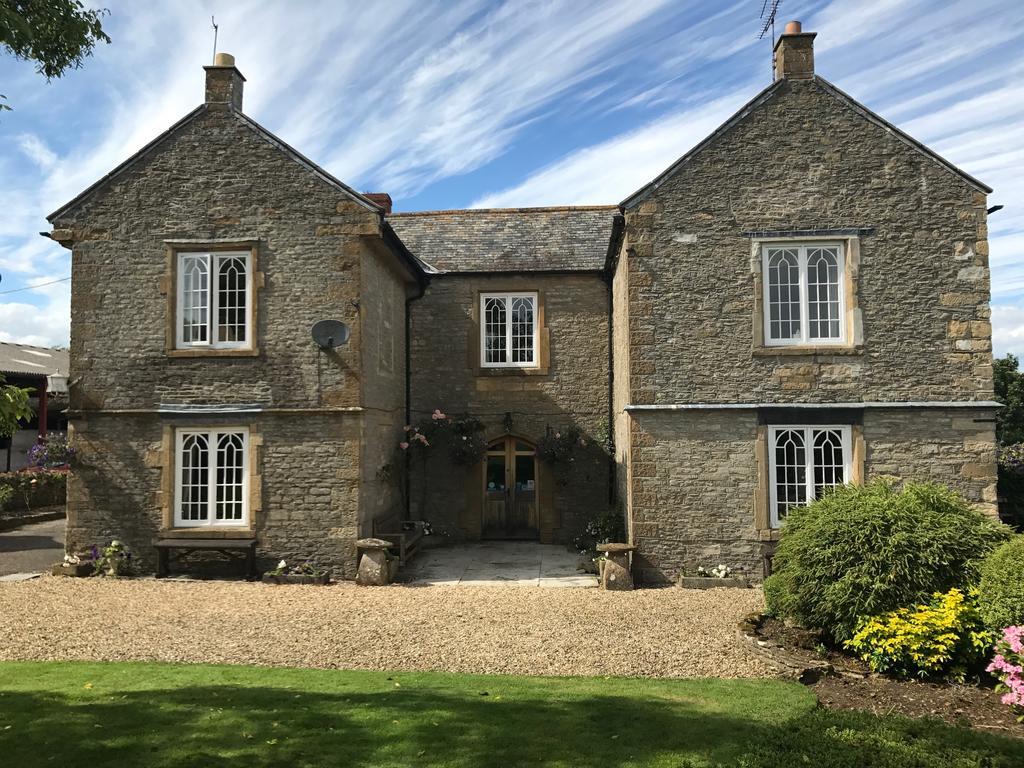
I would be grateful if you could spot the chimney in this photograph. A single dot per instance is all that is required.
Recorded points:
(224, 82)
(794, 53)
(383, 199)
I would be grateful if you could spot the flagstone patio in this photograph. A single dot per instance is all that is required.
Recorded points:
(498, 563)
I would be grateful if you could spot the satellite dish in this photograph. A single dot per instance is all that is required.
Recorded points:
(329, 334)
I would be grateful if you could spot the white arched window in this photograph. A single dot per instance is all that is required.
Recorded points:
(508, 330)
(211, 481)
(214, 300)
(805, 461)
(804, 301)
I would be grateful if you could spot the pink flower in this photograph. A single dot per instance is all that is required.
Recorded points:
(403, 445)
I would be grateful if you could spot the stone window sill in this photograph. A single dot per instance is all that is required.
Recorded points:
(801, 350)
(213, 352)
(199, 532)
(513, 372)
(769, 534)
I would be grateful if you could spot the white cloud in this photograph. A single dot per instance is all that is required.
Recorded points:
(609, 171)
(1007, 330)
(37, 151)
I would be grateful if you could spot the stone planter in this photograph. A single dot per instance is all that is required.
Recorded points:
(295, 578)
(79, 570)
(710, 582)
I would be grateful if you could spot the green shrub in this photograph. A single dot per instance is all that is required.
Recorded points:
(866, 550)
(1001, 591)
(6, 494)
(944, 638)
(31, 490)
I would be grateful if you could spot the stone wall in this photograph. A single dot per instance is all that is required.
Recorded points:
(573, 391)
(382, 310)
(318, 250)
(802, 159)
(215, 179)
(696, 475)
(307, 501)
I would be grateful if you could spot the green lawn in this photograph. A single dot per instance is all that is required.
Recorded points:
(77, 714)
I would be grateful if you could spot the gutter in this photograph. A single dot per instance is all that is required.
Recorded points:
(814, 406)
(608, 275)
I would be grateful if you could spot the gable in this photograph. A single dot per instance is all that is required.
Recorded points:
(776, 91)
(161, 141)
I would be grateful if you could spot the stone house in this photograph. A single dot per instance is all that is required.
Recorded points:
(801, 300)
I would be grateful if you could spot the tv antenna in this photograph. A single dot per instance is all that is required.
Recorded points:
(213, 23)
(769, 9)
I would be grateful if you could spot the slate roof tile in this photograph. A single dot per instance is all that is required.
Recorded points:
(509, 239)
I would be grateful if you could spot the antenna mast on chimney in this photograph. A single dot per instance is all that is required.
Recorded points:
(213, 23)
(769, 7)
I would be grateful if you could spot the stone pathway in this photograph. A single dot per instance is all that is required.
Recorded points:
(498, 563)
(32, 548)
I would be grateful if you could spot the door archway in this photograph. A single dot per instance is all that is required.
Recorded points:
(510, 490)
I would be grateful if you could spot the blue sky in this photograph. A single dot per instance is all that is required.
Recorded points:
(455, 104)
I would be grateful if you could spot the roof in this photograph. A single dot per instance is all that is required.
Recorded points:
(645, 191)
(27, 360)
(260, 131)
(566, 239)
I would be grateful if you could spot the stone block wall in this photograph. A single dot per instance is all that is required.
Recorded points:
(573, 391)
(216, 179)
(318, 252)
(695, 478)
(305, 508)
(805, 160)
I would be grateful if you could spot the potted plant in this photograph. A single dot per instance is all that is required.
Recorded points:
(74, 565)
(710, 578)
(306, 573)
(113, 560)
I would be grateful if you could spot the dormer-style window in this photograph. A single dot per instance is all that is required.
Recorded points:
(804, 301)
(214, 300)
(508, 330)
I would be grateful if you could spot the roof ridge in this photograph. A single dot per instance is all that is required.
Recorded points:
(31, 346)
(533, 209)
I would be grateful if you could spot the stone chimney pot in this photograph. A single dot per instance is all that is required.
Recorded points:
(794, 53)
(224, 82)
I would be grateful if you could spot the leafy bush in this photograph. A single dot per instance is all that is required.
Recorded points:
(1011, 485)
(945, 638)
(6, 494)
(606, 526)
(866, 550)
(559, 447)
(32, 489)
(1008, 664)
(51, 452)
(1001, 591)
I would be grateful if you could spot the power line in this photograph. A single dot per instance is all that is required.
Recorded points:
(39, 285)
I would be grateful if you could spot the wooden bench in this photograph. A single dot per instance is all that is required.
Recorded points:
(405, 536)
(226, 546)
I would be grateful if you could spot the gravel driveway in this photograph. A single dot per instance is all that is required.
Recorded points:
(495, 630)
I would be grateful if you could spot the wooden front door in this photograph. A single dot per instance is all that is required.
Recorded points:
(510, 491)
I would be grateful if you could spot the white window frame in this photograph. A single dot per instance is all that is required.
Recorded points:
(508, 296)
(801, 247)
(211, 434)
(808, 430)
(213, 262)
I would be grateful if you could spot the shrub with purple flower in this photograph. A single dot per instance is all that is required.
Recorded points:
(51, 452)
(1008, 665)
(113, 560)
(1011, 458)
